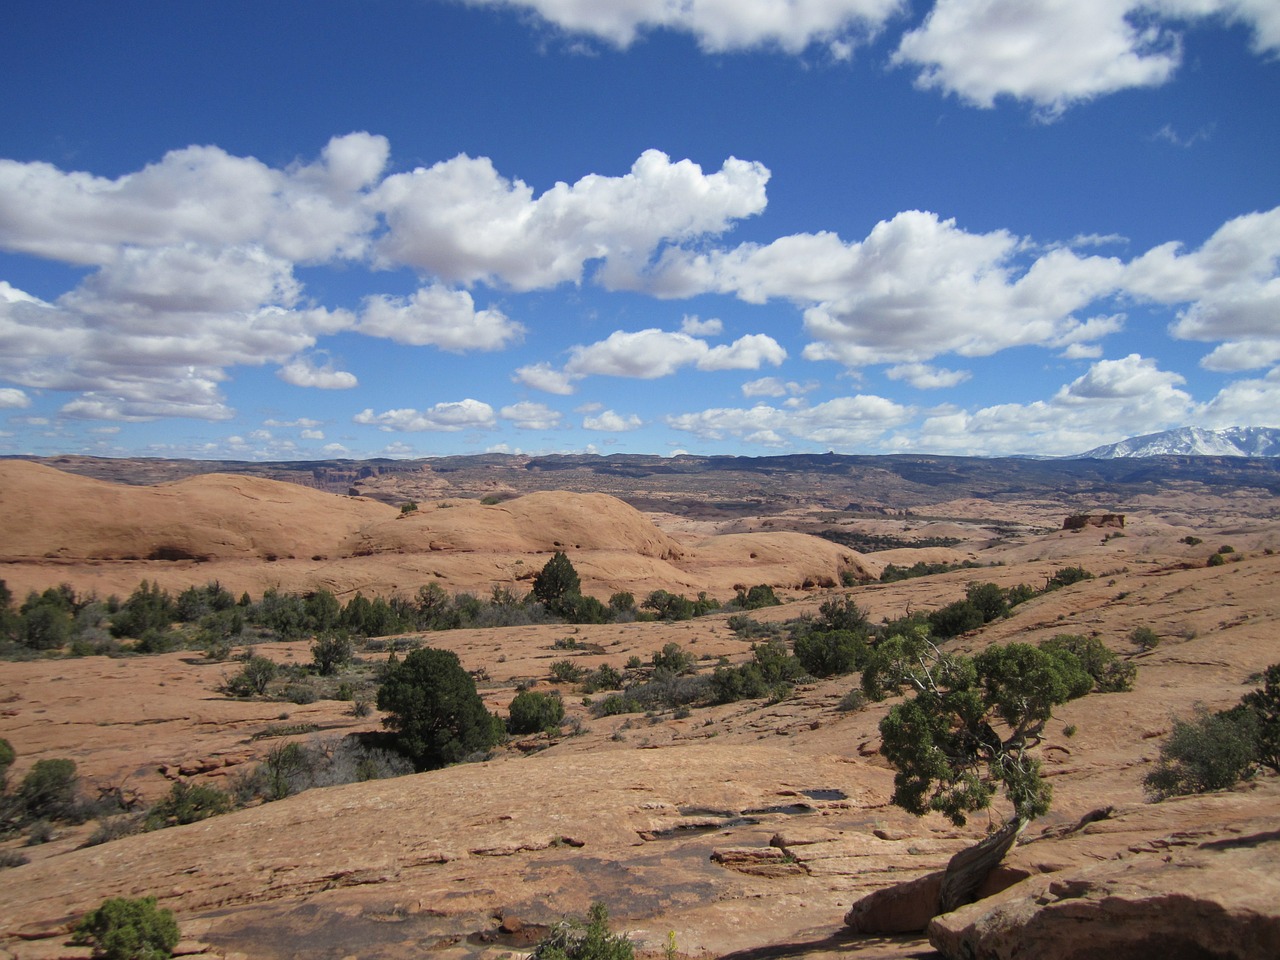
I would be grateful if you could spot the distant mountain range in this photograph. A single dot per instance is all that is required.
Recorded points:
(1193, 442)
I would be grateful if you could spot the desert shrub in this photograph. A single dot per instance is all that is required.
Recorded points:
(672, 658)
(254, 677)
(853, 701)
(745, 628)
(1215, 560)
(1209, 751)
(532, 712)
(45, 625)
(615, 704)
(7, 756)
(125, 929)
(49, 789)
(1264, 705)
(113, 828)
(1226, 548)
(187, 803)
(667, 689)
(331, 652)
(1191, 541)
(829, 653)
(1109, 673)
(622, 602)
(574, 940)
(566, 671)
(990, 599)
(556, 584)
(1144, 638)
(769, 673)
(1067, 576)
(149, 608)
(604, 677)
(433, 710)
(841, 614)
(954, 619)
(761, 595)
(409, 507)
(580, 608)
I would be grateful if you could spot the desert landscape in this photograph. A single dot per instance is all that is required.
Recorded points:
(758, 828)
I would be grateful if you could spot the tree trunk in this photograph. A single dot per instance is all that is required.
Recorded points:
(969, 868)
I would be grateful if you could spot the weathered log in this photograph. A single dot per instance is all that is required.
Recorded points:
(968, 868)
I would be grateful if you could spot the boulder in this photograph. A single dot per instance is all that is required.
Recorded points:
(1219, 899)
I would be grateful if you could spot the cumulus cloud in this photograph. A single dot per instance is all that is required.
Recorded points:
(917, 287)
(610, 422)
(1053, 53)
(1244, 402)
(1113, 399)
(438, 316)
(11, 398)
(696, 327)
(844, 423)
(718, 26)
(313, 371)
(924, 377)
(448, 417)
(528, 415)
(544, 377)
(463, 222)
(651, 354)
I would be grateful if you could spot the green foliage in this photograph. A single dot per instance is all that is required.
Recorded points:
(673, 658)
(830, 653)
(761, 595)
(125, 929)
(434, 711)
(1264, 704)
(1210, 751)
(943, 741)
(574, 940)
(188, 803)
(258, 671)
(1144, 638)
(49, 789)
(671, 606)
(149, 608)
(556, 584)
(954, 619)
(622, 602)
(604, 677)
(566, 671)
(769, 673)
(1215, 560)
(532, 712)
(1191, 541)
(1109, 673)
(893, 573)
(331, 652)
(841, 614)
(1067, 576)
(7, 756)
(46, 624)
(409, 507)
(990, 600)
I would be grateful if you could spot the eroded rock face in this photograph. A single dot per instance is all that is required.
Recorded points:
(1215, 899)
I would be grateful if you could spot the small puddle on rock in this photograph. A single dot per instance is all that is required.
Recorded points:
(788, 809)
(694, 829)
(825, 794)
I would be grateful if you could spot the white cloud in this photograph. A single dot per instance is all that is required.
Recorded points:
(701, 328)
(924, 377)
(335, 450)
(304, 422)
(11, 398)
(528, 415)
(447, 417)
(312, 434)
(610, 422)
(915, 288)
(775, 387)
(306, 372)
(463, 222)
(542, 376)
(1236, 355)
(650, 354)
(845, 422)
(1244, 402)
(718, 25)
(438, 316)
(1055, 53)
(1114, 399)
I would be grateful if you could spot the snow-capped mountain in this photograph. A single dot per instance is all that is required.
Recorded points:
(1193, 442)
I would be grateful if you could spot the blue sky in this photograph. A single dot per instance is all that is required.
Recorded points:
(302, 230)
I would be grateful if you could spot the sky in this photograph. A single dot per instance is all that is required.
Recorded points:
(309, 229)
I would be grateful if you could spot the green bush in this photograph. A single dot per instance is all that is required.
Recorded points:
(331, 652)
(604, 677)
(188, 803)
(1215, 560)
(1144, 638)
(673, 658)
(1067, 576)
(831, 653)
(258, 671)
(1210, 751)
(566, 671)
(574, 940)
(532, 712)
(433, 710)
(761, 595)
(48, 789)
(1110, 674)
(7, 756)
(124, 929)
